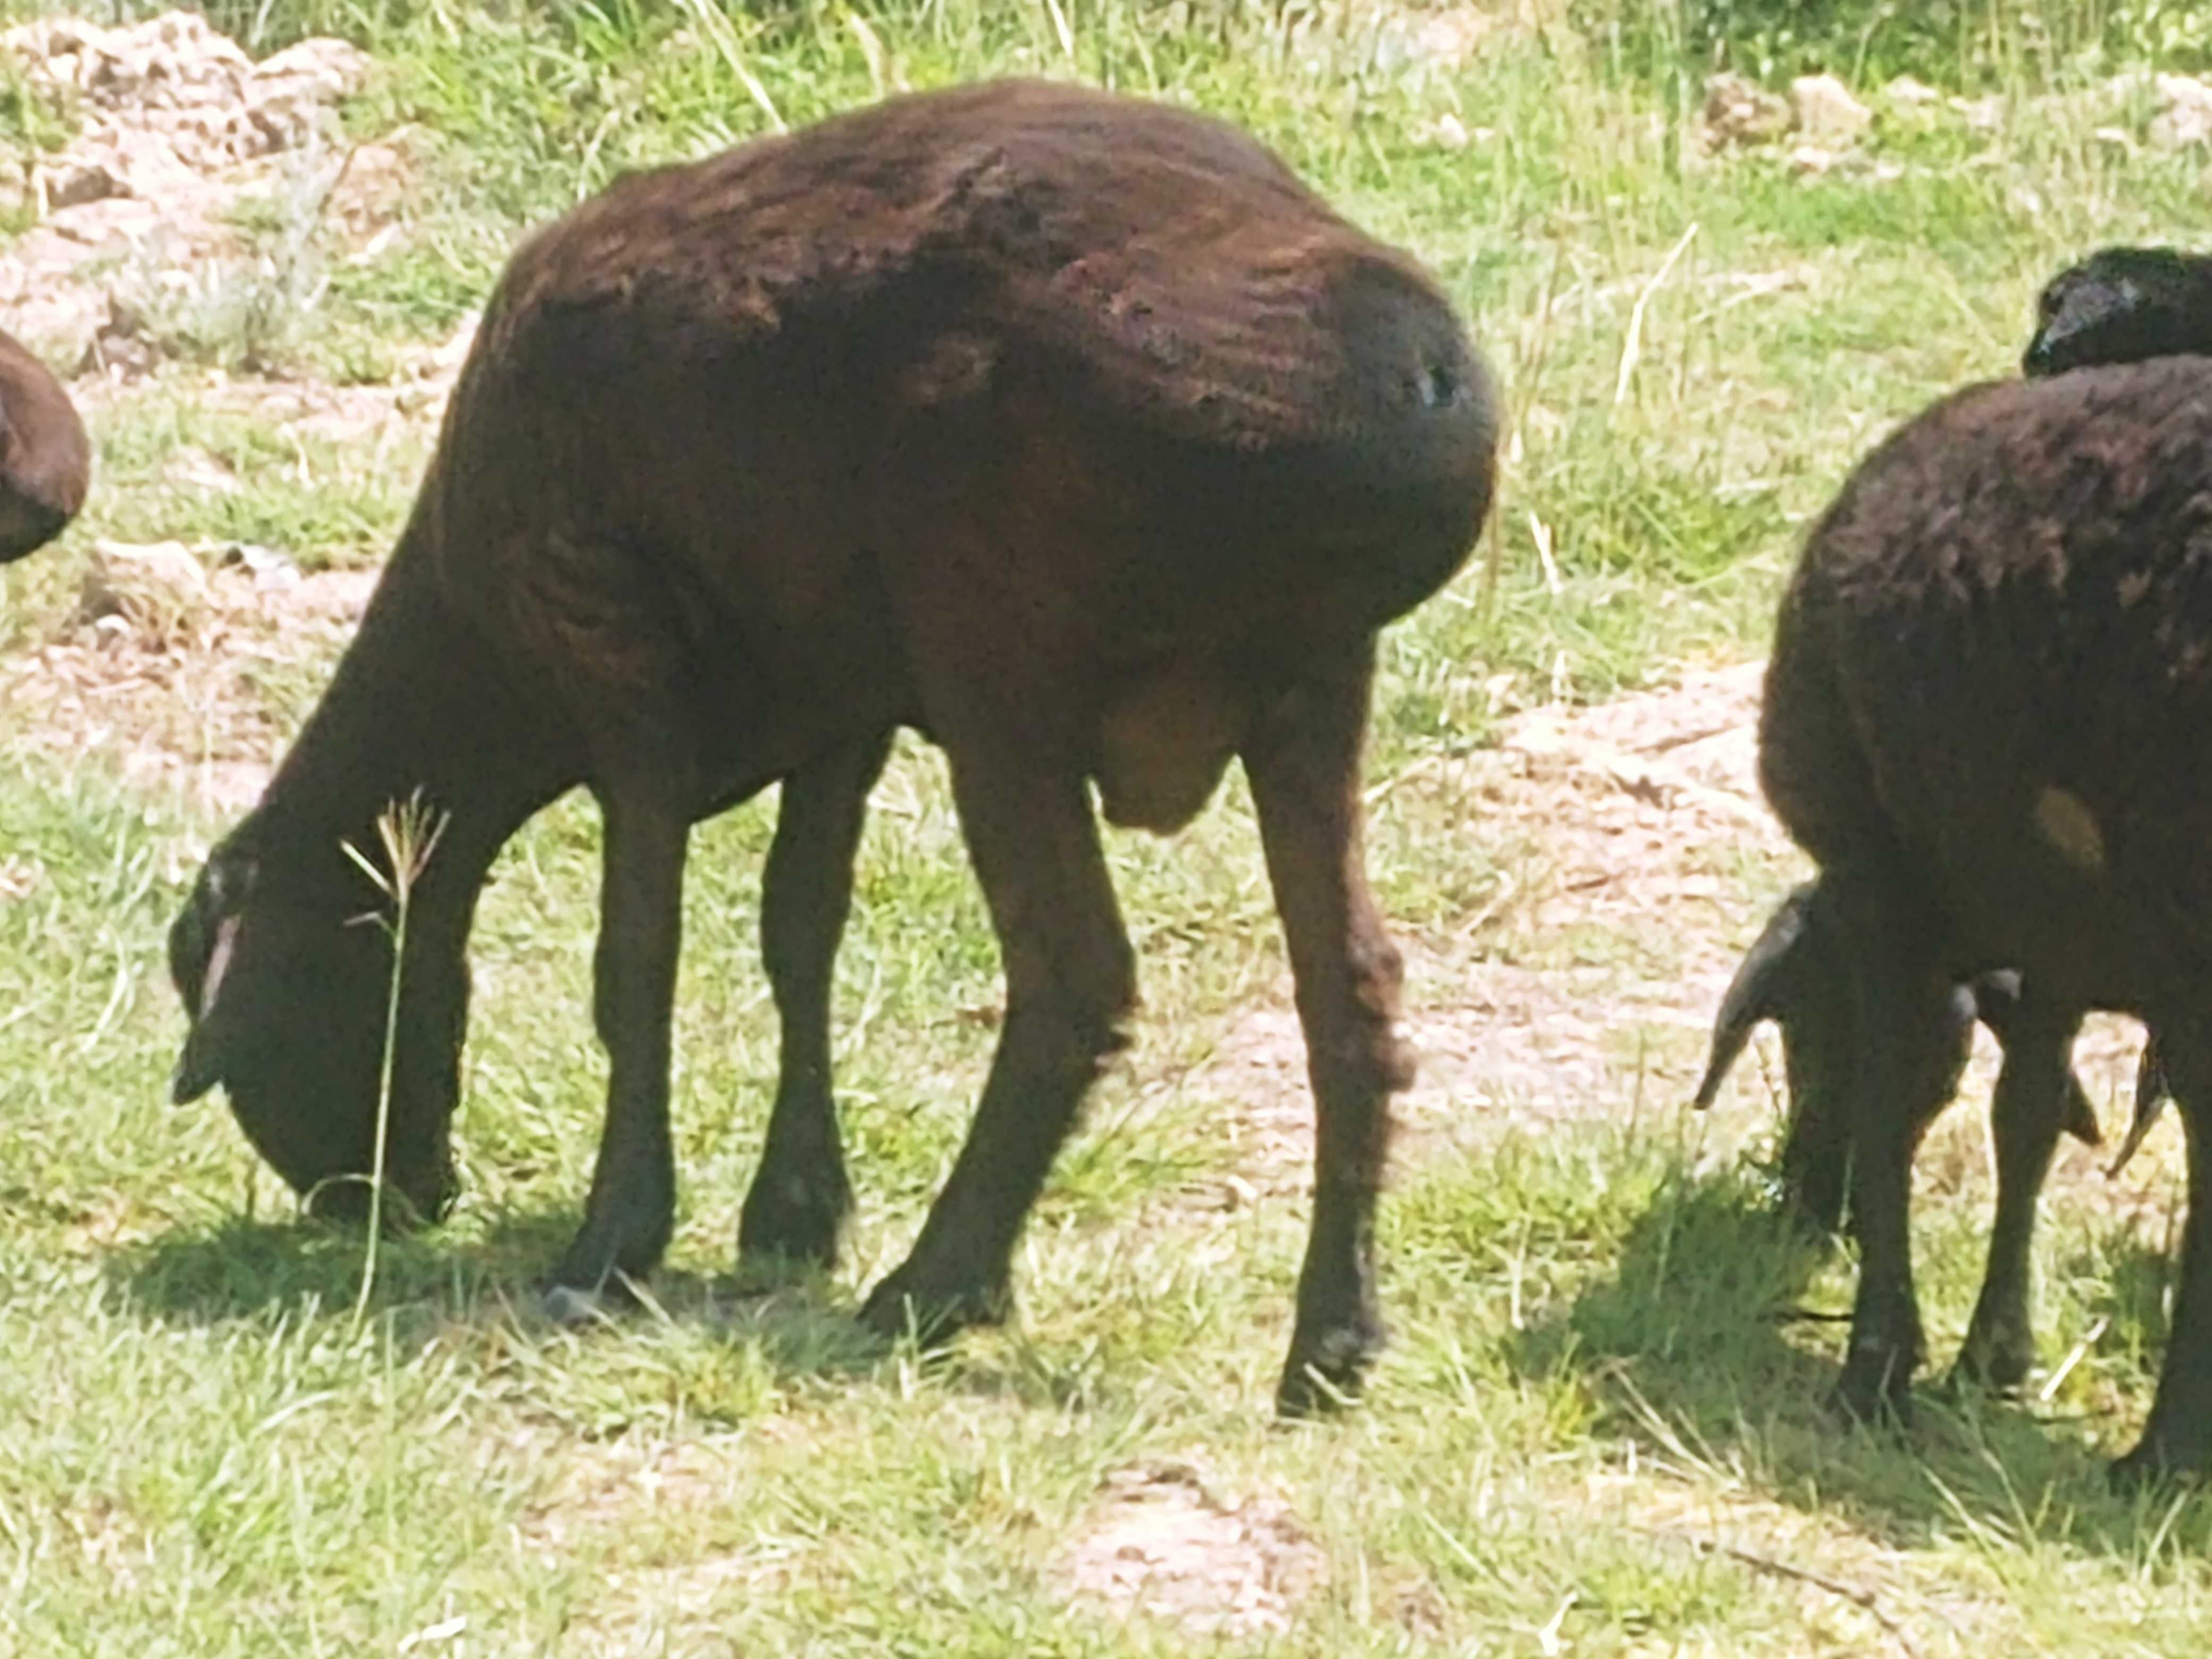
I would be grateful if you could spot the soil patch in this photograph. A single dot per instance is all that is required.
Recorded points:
(172, 125)
(1158, 1543)
(175, 663)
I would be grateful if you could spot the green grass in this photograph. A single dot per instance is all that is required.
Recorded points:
(1597, 1430)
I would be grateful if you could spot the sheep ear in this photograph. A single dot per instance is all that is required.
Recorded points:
(2152, 1092)
(1760, 989)
(200, 1067)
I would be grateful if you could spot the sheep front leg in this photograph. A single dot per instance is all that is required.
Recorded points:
(2027, 1114)
(800, 1197)
(632, 1207)
(2178, 1439)
(1303, 764)
(1071, 983)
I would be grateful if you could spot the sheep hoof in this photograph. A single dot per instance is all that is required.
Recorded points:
(2153, 1464)
(794, 1224)
(578, 1304)
(1873, 1397)
(899, 1307)
(567, 1304)
(1327, 1375)
(1995, 1364)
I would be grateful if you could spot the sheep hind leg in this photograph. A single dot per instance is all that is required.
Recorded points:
(2027, 1114)
(1070, 984)
(2177, 1441)
(800, 1196)
(632, 1208)
(1303, 766)
(1906, 1016)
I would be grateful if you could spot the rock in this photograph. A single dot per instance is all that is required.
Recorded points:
(175, 123)
(272, 569)
(371, 189)
(72, 184)
(1810, 160)
(334, 70)
(1908, 93)
(1982, 114)
(2184, 113)
(123, 346)
(155, 592)
(1741, 112)
(1824, 112)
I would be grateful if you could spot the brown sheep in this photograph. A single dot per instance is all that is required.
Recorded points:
(45, 459)
(2120, 305)
(1994, 640)
(1068, 429)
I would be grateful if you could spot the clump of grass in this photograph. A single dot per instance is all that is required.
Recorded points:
(408, 831)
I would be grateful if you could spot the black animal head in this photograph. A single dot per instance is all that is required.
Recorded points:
(2122, 305)
(287, 996)
(1796, 974)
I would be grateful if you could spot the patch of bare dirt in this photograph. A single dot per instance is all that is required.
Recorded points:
(600, 1485)
(1636, 815)
(175, 124)
(1157, 1542)
(655, 1597)
(165, 660)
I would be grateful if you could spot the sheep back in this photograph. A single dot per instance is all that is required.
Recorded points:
(1993, 670)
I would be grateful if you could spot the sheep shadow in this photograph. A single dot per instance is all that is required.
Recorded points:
(242, 1269)
(1700, 1347)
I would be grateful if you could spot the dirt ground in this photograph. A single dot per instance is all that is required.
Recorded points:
(175, 126)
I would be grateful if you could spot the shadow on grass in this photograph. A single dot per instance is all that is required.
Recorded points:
(1697, 1345)
(241, 1269)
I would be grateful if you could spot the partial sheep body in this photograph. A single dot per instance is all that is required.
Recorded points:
(45, 460)
(1069, 428)
(2120, 305)
(1991, 672)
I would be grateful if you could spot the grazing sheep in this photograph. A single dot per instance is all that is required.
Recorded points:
(1990, 674)
(2122, 305)
(1796, 975)
(1069, 428)
(44, 460)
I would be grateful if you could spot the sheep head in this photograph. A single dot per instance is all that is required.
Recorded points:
(287, 992)
(1794, 975)
(2122, 305)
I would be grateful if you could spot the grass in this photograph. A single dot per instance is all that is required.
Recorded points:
(1597, 1432)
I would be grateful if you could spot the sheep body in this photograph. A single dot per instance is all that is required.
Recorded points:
(2119, 305)
(1068, 427)
(45, 460)
(1991, 670)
